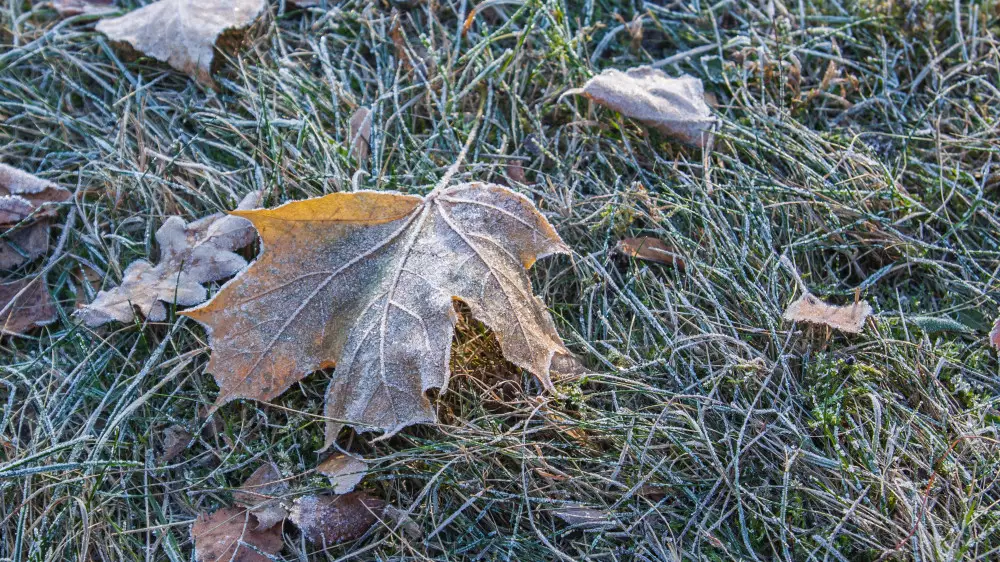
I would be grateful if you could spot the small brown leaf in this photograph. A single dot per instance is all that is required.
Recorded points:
(995, 334)
(23, 197)
(329, 519)
(808, 308)
(650, 249)
(675, 106)
(261, 493)
(25, 304)
(224, 536)
(344, 471)
(182, 33)
(175, 441)
(190, 254)
(361, 133)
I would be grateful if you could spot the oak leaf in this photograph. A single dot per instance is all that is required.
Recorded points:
(849, 318)
(228, 534)
(182, 33)
(25, 211)
(675, 106)
(261, 494)
(25, 304)
(190, 254)
(330, 519)
(366, 281)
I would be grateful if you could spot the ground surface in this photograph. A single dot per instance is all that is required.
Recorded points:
(858, 139)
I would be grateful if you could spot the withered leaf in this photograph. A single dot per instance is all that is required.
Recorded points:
(182, 33)
(24, 215)
(224, 536)
(344, 471)
(675, 106)
(849, 318)
(175, 440)
(329, 519)
(25, 304)
(261, 494)
(366, 281)
(650, 249)
(190, 254)
(361, 133)
(995, 334)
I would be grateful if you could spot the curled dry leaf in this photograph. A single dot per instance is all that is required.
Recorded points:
(328, 519)
(366, 281)
(190, 254)
(361, 133)
(808, 308)
(224, 536)
(650, 249)
(675, 106)
(182, 33)
(995, 334)
(344, 471)
(261, 494)
(25, 304)
(24, 215)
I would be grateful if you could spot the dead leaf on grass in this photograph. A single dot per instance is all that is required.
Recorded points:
(25, 304)
(328, 519)
(182, 33)
(675, 106)
(175, 441)
(366, 281)
(344, 471)
(808, 308)
(190, 254)
(25, 210)
(227, 535)
(650, 249)
(261, 494)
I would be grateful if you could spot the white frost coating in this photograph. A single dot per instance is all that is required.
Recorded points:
(675, 106)
(182, 33)
(190, 255)
(376, 299)
(850, 318)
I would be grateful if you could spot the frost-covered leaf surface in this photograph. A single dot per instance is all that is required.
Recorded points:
(365, 281)
(25, 212)
(675, 106)
(228, 534)
(25, 304)
(182, 33)
(330, 519)
(190, 255)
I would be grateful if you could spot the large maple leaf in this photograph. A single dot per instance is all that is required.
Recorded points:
(366, 281)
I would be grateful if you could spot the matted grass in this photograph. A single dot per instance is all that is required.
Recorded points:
(856, 138)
